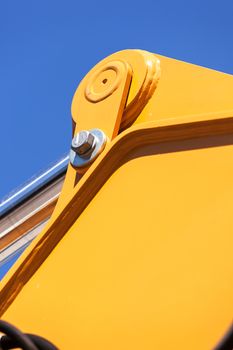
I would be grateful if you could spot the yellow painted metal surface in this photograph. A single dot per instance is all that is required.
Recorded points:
(144, 260)
(188, 90)
(138, 254)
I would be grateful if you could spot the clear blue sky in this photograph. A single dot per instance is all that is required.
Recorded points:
(47, 46)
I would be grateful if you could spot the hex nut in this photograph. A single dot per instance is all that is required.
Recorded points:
(83, 142)
(83, 161)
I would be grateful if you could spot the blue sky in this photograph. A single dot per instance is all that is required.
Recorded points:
(47, 46)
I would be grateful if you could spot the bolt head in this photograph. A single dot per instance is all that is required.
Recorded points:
(83, 142)
(81, 162)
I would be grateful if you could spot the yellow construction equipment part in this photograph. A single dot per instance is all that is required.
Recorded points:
(138, 252)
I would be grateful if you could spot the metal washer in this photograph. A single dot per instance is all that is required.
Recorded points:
(79, 162)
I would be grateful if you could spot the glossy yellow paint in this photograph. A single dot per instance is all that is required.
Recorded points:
(138, 254)
(96, 102)
(103, 92)
(120, 86)
(186, 90)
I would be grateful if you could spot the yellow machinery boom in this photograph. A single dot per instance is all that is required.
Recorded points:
(138, 251)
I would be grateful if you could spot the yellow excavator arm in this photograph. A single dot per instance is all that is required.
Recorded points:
(138, 251)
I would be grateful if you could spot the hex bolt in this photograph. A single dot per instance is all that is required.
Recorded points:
(83, 142)
(86, 147)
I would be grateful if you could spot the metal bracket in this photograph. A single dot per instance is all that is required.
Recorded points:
(112, 95)
(109, 98)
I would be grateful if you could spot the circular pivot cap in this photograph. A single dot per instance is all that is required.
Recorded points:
(104, 81)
